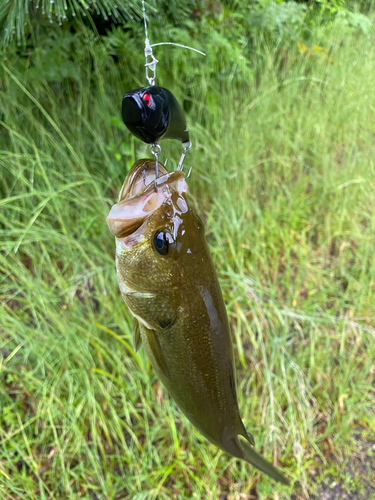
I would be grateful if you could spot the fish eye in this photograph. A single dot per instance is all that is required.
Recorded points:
(147, 98)
(162, 239)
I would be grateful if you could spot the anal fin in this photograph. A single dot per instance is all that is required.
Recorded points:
(243, 432)
(250, 438)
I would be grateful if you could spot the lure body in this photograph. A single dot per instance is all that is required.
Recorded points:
(153, 113)
(168, 281)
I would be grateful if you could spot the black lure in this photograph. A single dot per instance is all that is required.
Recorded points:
(153, 113)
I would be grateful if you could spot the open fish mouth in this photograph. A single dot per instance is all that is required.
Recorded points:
(140, 196)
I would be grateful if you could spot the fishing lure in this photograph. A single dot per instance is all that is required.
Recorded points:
(153, 113)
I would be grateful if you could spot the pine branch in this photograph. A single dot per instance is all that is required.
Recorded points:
(15, 15)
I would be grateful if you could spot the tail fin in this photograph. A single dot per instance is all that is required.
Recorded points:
(242, 449)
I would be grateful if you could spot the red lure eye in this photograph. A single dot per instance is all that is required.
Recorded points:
(147, 98)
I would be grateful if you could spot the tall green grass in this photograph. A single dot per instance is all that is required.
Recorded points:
(283, 175)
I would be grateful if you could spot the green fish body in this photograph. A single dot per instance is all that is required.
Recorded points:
(168, 281)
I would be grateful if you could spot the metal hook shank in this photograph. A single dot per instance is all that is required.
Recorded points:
(155, 150)
(186, 148)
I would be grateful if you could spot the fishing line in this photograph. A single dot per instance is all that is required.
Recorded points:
(144, 18)
(149, 53)
(153, 113)
(178, 45)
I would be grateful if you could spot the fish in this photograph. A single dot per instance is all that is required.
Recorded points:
(153, 113)
(168, 281)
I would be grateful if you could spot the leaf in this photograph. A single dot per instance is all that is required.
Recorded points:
(323, 54)
(117, 123)
(15, 15)
(303, 49)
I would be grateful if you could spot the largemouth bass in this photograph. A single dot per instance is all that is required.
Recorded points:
(168, 281)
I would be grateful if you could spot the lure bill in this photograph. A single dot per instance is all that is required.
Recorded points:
(168, 281)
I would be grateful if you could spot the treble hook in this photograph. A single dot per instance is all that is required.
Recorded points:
(155, 150)
(186, 148)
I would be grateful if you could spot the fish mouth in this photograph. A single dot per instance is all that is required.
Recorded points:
(140, 196)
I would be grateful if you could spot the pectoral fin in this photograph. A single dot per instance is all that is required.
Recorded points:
(137, 341)
(153, 342)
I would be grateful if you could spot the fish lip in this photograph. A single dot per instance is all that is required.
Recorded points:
(132, 239)
(128, 215)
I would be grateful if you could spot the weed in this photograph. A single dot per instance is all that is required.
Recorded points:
(283, 174)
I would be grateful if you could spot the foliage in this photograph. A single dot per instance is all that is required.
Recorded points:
(15, 15)
(279, 18)
(21, 19)
(356, 21)
(331, 6)
(283, 175)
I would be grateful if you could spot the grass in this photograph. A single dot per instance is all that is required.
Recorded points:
(283, 174)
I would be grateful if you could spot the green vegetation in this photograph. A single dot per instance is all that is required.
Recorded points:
(282, 119)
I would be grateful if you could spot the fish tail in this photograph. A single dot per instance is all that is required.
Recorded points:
(243, 449)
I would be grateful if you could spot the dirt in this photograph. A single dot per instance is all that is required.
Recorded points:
(338, 492)
(356, 479)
